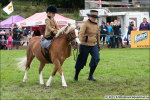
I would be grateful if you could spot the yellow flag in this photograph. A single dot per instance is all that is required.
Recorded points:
(9, 8)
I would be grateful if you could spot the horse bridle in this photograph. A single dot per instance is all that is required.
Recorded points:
(74, 44)
(71, 39)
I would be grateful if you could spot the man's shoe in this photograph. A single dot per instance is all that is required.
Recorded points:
(76, 74)
(76, 79)
(91, 78)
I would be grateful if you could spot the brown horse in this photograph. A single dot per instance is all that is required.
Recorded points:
(59, 50)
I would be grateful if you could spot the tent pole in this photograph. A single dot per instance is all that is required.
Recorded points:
(11, 27)
(12, 19)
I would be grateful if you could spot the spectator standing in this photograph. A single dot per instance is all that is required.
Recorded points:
(144, 25)
(111, 35)
(25, 35)
(108, 38)
(103, 31)
(120, 39)
(3, 40)
(116, 28)
(130, 28)
(16, 36)
(10, 42)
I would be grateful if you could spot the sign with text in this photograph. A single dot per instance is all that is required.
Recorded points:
(140, 39)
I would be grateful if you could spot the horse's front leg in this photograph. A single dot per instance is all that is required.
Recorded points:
(62, 77)
(50, 78)
(58, 65)
(40, 73)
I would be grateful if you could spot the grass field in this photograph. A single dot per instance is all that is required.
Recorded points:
(120, 72)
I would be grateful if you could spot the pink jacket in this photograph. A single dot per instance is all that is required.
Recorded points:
(10, 38)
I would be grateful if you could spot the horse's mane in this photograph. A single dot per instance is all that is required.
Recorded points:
(63, 29)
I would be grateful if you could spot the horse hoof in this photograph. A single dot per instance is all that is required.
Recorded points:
(24, 81)
(47, 85)
(64, 86)
(41, 83)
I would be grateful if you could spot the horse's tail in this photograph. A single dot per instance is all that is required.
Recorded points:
(22, 63)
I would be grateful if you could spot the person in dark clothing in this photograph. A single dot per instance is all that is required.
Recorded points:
(130, 28)
(120, 39)
(111, 33)
(116, 28)
(103, 32)
(37, 33)
(16, 36)
(144, 25)
(25, 34)
(90, 43)
(26, 30)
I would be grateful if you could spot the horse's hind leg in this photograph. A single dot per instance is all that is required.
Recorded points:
(40, 72)
(30, 57)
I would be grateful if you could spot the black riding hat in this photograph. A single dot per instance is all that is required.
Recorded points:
(93, 13)
(51, 9)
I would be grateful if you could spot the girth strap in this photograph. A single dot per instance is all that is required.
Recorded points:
(47, 57)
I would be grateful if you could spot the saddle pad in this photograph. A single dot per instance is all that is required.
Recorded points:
(46, 43)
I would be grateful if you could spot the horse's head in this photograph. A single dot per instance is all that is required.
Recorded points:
(72, 34)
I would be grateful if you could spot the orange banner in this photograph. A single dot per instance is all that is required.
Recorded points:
(140, 39)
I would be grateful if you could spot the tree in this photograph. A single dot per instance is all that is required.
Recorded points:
(75, 4)
(4, 2)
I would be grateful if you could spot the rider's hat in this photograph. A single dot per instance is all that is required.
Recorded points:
(51, 9)
(93, 13)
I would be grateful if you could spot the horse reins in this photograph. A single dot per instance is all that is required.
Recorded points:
(70, 39)
(74, 44)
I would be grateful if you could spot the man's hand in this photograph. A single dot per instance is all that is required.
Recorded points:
(99, 48)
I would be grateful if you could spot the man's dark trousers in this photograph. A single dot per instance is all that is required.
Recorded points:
(84, 52)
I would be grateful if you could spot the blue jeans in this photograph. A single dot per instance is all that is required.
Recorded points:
(84, 52)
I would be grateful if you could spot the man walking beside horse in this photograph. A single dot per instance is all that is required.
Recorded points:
(90, 43)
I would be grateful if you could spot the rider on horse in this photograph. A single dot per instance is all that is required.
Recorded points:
(51, 25)
(50, 31)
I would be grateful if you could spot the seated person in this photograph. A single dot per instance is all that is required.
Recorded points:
(51, 25)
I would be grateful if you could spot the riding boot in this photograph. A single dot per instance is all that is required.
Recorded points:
(92, 69)
(76, 74)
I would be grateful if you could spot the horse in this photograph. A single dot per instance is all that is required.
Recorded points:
(59, 50)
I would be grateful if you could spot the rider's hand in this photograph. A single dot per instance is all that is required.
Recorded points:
(55, 32)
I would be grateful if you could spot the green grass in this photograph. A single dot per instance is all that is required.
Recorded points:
(120, 72)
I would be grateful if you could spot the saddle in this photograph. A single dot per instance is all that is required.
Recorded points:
(44, 47)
